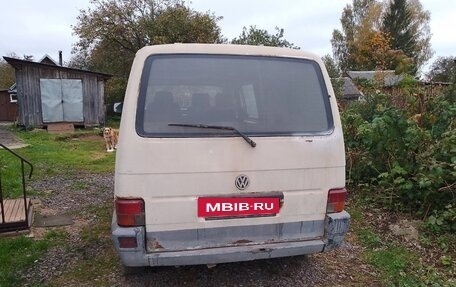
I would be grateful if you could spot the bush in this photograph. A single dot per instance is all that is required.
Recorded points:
(443, 220)
(406, 155)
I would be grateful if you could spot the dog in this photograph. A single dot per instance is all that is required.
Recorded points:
(111, 136)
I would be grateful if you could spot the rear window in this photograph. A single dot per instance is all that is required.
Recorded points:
(257, 95)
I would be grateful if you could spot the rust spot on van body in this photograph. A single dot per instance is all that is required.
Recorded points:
(153, 244)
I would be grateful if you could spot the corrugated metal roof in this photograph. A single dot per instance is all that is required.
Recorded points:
(18, 62)
(387, 78)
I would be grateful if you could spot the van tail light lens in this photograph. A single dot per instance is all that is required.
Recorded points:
(336, 200)
(128, 242)
(130, 212)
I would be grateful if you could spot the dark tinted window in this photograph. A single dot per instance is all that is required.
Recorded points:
(256, 95)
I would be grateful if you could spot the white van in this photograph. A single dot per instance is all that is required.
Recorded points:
(227, 153)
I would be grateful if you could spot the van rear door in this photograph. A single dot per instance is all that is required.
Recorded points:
(203, 183)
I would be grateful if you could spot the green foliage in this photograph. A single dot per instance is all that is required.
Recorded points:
(442, 70)
(52, 155)
(393, 263)
(406, 155)
(369, 238)
(377, 35)
(181, 24)
(256, 36)
(443, 220)
(331, 66)
(398, 262)
(65, 154)
(11, 176)
(338, 86)
(397, 22)
(7, 75)
(112, 31)
(131, 25)
(334, 73)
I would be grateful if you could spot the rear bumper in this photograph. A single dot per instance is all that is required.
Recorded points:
(336, 226)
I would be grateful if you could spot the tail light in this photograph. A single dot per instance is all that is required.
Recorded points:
(130, 212)
(128, 242)
(336, 200)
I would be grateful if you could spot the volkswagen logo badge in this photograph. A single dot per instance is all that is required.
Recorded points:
(242, 182)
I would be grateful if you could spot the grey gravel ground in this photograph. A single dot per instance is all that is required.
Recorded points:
(75, 194)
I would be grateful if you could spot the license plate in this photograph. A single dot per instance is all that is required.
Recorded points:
(237, 206)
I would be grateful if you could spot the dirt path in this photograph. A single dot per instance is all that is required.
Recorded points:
(8, 139)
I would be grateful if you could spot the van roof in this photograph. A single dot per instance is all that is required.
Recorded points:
(226, 49)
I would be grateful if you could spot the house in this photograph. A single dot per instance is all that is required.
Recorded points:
(387, 78)
(8, 106)
(390, 83)
(49, 93)
(349, 90)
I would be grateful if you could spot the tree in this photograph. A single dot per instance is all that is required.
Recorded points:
(112, 31)
(180, 24)
(364, 43)
(7, 75)
(442, 69)
(131, 25)
(359, 22)
(256, 36)
(331, 66)
(334, 73)
(7, 72)
(407, 25)
(372, 51)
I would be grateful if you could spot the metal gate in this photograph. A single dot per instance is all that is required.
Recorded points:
(61, 100)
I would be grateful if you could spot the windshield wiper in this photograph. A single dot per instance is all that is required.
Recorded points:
(203, 126)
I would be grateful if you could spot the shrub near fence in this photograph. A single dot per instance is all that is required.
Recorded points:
(405, 154)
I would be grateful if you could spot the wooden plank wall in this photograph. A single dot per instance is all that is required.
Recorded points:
(8, 110)
(28, 89)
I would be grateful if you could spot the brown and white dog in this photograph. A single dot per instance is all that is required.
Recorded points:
(110, 136)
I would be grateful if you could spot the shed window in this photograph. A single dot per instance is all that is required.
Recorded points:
(13, 98)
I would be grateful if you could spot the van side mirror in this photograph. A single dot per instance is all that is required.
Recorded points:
(118, 107)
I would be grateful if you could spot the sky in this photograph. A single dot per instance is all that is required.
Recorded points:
(29, 27)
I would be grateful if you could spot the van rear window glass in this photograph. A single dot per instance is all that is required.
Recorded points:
(257, 95)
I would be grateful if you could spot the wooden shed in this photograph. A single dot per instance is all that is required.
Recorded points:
(8, 106)
(48, 93)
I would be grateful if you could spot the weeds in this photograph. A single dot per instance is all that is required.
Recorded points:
(403, 147)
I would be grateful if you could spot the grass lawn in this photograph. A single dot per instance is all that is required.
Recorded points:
(81, 152)
(427, 261)
(52, 154)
